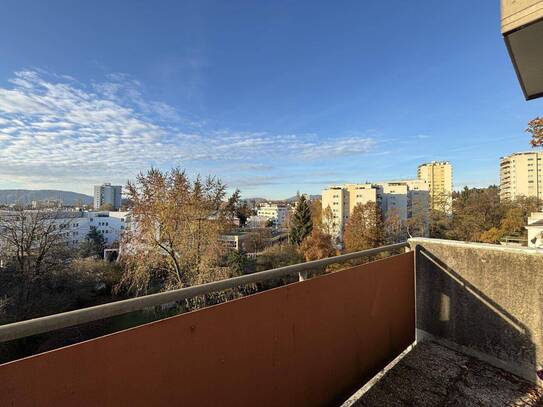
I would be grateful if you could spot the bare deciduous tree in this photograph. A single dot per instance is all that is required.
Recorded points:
(329, 223)
(33, 247)
(394, 227)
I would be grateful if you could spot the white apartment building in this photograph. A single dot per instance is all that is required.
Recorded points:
(395, 197)
(107, 194)
(520, 175)
(439, 177)
(75, 226)
(277, 213)
(403, 197)
(418, 199)
(234, 240)
(256, 222)
(72, 227)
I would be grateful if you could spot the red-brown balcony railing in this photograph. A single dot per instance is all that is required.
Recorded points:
(309, 343)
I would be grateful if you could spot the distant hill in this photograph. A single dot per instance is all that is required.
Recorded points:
(290, 200)
(295, 198)
(255, 200)
(26, 196)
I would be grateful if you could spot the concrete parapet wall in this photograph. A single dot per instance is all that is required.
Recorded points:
(486, 299)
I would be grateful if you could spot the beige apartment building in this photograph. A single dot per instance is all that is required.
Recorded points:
(406, 197)
(520, 175)
(361, 194)
(439, 176)
(337, 199)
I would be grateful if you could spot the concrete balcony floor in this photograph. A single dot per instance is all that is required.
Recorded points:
(435, 375)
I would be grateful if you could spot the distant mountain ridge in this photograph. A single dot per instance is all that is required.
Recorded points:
(26, 196)
(295, 198)
(255, 200)
(291, 199)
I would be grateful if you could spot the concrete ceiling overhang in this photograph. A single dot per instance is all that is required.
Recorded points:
(525, 46)
(522, 29)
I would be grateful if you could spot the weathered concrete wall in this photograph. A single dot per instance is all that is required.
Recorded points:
(487, 299)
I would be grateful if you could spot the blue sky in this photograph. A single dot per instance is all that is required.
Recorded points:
(273, 97)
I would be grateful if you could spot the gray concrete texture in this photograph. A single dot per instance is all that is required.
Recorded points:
(487, 300)
(435, 375)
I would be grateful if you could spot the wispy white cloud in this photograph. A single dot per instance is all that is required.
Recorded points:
(55, 131)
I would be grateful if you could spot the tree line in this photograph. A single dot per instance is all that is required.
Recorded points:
(175, 243)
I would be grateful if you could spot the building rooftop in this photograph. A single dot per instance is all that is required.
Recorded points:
(435, 163)
(536, 223)
(521, 153)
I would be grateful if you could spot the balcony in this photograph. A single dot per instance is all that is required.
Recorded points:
(470, 334)
(522, 29)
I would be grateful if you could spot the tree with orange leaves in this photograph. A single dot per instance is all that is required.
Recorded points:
(174, 241)
(535, 128)
(318, 245)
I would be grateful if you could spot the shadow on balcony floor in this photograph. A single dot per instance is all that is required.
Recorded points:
(434, 375)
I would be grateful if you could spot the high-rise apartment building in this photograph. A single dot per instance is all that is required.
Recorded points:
(361, 194)
(337, 199)
(107, 194)
(406, 198)
(520, 175)
(438, 175)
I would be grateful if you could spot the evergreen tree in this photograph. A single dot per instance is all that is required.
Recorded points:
(93, 245)
(243, 212)
(301, 224)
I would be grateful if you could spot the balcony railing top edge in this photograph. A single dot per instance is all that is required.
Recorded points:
(48, 323)
(491, 246)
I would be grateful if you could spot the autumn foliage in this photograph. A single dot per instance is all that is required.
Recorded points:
(176, 239)
(318, 245)
(535, 128)
(365, 228)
